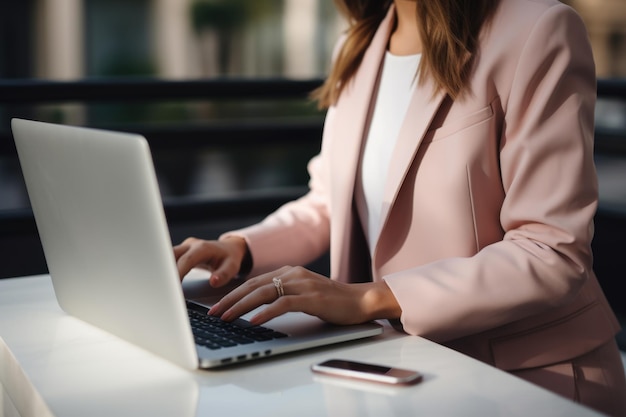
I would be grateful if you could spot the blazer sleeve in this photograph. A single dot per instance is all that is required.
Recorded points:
(548, 174)
(298, 232)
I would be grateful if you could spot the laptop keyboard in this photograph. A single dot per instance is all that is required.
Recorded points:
(215, 333)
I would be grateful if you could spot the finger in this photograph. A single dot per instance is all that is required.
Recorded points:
(224, 273)
(196, 255)
(239, 293)
(184, 246)
(279, 307)
(262, 295)
(179, 255)
(303, 295)
(184, 263)
(248, 287)
(179, 250)
(231, 298)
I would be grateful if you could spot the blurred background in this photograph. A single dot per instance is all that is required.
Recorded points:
(68, 40)
(123, 64)
(72, 40)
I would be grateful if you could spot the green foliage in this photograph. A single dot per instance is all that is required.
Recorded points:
(218, 14)
(230, 14)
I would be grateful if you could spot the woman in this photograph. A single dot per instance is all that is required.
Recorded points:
(455, 189)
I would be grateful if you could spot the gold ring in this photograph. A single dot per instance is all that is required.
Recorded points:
(279, 286)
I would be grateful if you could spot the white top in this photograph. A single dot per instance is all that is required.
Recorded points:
(397, 82)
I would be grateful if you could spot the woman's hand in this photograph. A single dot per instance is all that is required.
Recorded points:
(311, 293)
(222, 257)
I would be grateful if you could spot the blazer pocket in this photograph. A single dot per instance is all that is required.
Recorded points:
(448, 129)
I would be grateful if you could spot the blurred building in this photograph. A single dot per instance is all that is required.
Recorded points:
(72, 39)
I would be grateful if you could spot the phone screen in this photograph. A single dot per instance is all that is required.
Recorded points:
(367, 371)
(358, 366)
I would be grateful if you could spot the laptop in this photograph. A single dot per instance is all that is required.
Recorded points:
(101, 222)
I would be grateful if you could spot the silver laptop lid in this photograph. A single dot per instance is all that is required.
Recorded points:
(96, 202)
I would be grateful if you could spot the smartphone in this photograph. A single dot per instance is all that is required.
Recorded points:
(367, 372)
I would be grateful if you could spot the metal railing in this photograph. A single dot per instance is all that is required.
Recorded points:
(16, 95)
(148, 89)
(20, 93)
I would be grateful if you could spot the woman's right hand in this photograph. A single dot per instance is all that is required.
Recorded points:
(222, 257)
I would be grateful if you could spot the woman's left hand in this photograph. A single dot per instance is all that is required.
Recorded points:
(298, 289)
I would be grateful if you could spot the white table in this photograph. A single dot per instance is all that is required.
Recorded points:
(52, 364)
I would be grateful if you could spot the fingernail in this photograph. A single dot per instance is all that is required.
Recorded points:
(214, 280)
(227, 315)
(213, 309)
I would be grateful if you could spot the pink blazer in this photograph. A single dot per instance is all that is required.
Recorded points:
(489, 201)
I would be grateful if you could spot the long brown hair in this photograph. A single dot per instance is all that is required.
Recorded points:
(449, 31)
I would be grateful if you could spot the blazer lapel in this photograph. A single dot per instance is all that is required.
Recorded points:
(422, 109)
(354, 107)
(352, 112)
